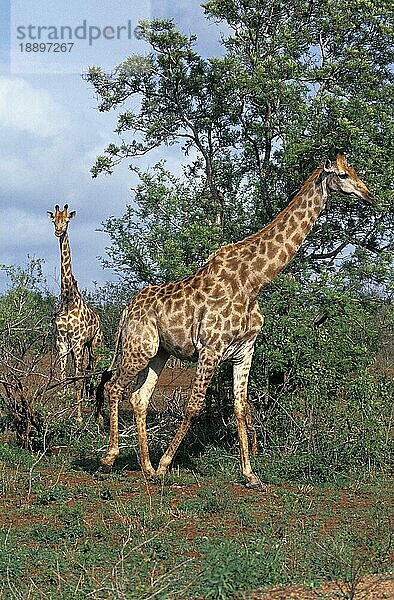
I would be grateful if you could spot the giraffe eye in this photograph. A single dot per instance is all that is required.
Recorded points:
(343, 175)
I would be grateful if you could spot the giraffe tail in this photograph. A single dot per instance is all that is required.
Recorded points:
(106, 376)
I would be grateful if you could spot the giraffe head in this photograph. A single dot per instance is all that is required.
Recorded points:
(61, 219)
(343, 179)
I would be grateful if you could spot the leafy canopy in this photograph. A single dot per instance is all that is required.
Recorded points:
(296, 81)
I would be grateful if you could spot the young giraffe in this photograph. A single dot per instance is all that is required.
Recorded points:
(213, 316)
(78, 326)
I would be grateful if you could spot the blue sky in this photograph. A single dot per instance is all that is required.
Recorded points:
(51, 130)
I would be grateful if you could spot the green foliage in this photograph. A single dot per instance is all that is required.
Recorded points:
(164, 235)
(27, 336)
(230, 567)
(10, 564)
(294, 84)
(54, 494)
(211, 501)
(10, 454)
(26, 310)
(315, 383)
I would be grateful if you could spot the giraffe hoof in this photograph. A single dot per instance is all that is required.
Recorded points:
(161, 472)
(255, 485)
(107, 462)
(150, 474)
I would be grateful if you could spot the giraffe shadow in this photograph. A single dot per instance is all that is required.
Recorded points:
(126, 461)
(209, 430)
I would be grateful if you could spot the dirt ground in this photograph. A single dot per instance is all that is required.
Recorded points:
(376, 587)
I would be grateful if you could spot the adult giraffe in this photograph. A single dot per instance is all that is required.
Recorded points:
(78, 326)
(213, 316)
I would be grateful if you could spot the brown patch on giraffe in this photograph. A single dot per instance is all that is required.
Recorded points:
(297, 237)
(226, 312)
(291, 222)
(280, 226)
(279, 238)
(270, 270)
(178, 332)
(283, 256)
(199, 297)
(231, 264)
(178, 294)
(217, 293)
(178, 304)
(223, 273)
(226, 325)
(272, 251)
(238, 307)
(243, 276)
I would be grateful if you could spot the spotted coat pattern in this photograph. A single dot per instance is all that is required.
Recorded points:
(77, 325)
(213, 316)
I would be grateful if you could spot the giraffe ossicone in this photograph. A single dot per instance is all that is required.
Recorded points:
(213, 316)
(78, 328)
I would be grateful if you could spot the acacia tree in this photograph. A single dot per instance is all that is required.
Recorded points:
(297, 81)
(315, 77)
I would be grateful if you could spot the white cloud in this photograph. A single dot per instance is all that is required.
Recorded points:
(26, 229)
(40, 150)
(37, 134)
(30, 110)
(50, 136)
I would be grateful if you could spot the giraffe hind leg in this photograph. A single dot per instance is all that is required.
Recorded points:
(115, 388)
(146, 384)
(137, 352)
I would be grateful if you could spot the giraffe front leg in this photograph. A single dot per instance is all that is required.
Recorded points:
(62, 352)
(207, 363)
(243, 415)
(79, 383)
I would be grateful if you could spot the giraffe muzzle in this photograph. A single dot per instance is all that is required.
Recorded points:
(369, 199)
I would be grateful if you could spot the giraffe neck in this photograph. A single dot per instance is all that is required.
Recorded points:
(257, 259)
(69, 286)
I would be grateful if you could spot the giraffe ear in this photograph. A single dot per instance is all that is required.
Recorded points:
(328, 166)
(72, 214)
(341, 159)
(50, 214)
